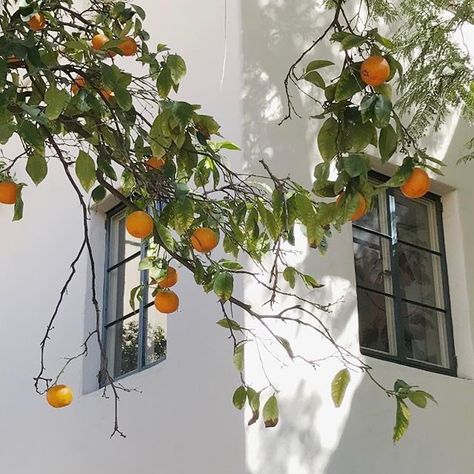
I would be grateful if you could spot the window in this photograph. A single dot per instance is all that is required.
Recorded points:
(134, 334)
(402, 284)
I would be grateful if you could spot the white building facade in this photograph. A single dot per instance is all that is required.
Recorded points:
(181, 419)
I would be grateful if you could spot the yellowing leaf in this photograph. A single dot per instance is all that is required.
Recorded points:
(339, 386)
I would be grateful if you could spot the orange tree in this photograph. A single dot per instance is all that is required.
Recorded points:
(63, 95)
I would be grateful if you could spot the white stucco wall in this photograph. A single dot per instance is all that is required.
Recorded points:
(183, 420)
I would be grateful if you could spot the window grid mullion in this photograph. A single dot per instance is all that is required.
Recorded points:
(397, 300)
(142, 313)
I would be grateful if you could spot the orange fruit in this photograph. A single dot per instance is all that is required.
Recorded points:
(37, 22)
(417, 185)
(375, 70)
(204, 240)
(170, 279)
(361, 209)
(139, 224)
(78, 84)
(155, 162)
(128, 46)
(98, 41)
(59, 396)
(166, 301)
(8, 192)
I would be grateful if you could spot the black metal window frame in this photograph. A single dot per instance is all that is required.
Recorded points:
(142, 310)
(398, 299)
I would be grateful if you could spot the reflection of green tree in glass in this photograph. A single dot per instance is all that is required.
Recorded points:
(156, 343)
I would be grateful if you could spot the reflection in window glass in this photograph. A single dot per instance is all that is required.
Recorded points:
(401, 283)
(135, 334)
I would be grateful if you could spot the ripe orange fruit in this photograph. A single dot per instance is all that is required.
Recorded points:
(128, 46)
(375, 70)
(8, 192)
(59, 396)
(37, 22)
(98, 41)
(155, 162)
(204, 240)
(78, 84)
(170, 279)
(166, 301)
(139, 224)
(361, 209)
(417, 185)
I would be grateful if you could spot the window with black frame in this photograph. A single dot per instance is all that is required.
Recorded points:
(134, 334)
(402, 284)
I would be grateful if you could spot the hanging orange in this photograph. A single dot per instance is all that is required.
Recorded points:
(204, 240)
(375, 70)
(8, 192)
(155, 162)
(139, 224)
(78, 84)
(59, 396)
(98, 41)
(166, 301)
(37, 22)
(170, 279)
(361, 209)
(417, 185)
(128, 46)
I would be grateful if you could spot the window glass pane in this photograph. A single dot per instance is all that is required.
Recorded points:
(372, 261)
(375, 329)
(420, 276)
(416, 221)
(425, 334)
(121, 281)
(122, 244)
(156, 336)
(376, 219)
(122, 346)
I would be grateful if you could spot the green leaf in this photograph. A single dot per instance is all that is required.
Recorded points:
(289, 274)
(98, 194)
(310, 281)
(318, 64)
(286, 345)
(382, 111)
(327, 139)
(177, 67)
(271, 412)
(355, 165)
(229, 324)
(123, 97)
(135, 294)
(37, 167)
(366, 107)
(348, 40)
(339, 386)
(239, 357)
(359, 136)
(223, 285)
(56, 100)
(388, 141)
(402, 420)
(18, 210)
(348, 85)
(315, 78)
(418, 398)
(183, 214)
(85, 170)
(165, 236)
(239, 398)
(164, 82)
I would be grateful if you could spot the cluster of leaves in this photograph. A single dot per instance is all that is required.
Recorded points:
(439, 73)
(359, 119)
